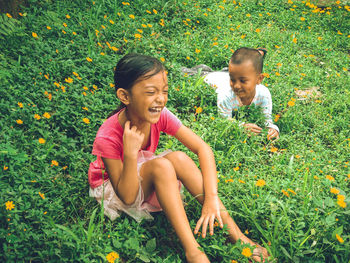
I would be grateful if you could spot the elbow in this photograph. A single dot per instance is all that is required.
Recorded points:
(128, 201)
(126, 197)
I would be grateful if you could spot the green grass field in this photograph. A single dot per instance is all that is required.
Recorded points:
(56, 75)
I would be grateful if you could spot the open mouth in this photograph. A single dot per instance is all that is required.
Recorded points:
(155, 109)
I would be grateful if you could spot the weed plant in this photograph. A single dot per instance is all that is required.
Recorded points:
(56, 75)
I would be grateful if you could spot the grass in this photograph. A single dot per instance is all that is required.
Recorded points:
(56, 78)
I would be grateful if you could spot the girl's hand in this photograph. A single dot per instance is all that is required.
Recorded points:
(210, 212)
(132, 140)
(272, 134)
(253, 128)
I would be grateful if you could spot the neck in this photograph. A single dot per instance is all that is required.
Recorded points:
(133, 121)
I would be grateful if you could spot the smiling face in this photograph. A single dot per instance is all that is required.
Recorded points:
(243, 80)
(147, 98)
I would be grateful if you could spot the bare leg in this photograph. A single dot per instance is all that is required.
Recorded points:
(189, 174)
(159, 175)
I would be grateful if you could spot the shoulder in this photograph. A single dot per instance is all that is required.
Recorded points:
(262, 91)
(110, 128)
(167, 115)
(168, 122)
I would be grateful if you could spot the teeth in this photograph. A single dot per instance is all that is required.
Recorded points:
(155, 109)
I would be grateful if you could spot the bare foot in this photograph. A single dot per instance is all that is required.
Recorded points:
(197, 256)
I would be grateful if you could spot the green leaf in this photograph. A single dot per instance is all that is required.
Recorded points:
(151, 245)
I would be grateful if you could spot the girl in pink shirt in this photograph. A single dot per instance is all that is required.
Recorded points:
(129, 177)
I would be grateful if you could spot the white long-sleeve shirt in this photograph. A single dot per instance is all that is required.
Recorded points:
(227, 100)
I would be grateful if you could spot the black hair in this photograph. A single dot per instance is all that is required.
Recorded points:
(133, 68)
(256, 56)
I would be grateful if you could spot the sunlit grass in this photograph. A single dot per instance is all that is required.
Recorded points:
(56, 78)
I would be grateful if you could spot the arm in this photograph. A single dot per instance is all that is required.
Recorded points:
(267, 111)
(211, 209)
(123, 176)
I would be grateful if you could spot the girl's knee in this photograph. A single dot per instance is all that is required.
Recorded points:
(179, 157)
(161, 168)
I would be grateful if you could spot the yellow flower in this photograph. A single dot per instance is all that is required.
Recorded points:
(114, 48)
(199, 110)
(246, 252)
(241, 181)
(5, 167)
(111, 21)
(47, 115)
(54, 163)
(248, 15)
(330, 178)
(35, 35)
(198, 50)
(8, 15)
(37, 116)
(277, 117)
(302, 18)
(42, 140)
(341, 203)
(20, 104)
(340, 197)
(285, 193)
(84, 108)
(19, 121)
(243, 36)
(260, 183)
(48, 27)
(132, 16)
(68, 80)
(111, 257)
(273, 149)
(86, 120)
(339, 238)
(236, 169)
(234, 261)
(295, 40)
(138, 35)
(258, 30)
(68, 16)
(291, 103)
(64, 24)
(9, 205)
(42, 195)
(155, 11)
(89, 59)
(334, 191)
(290, 190)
